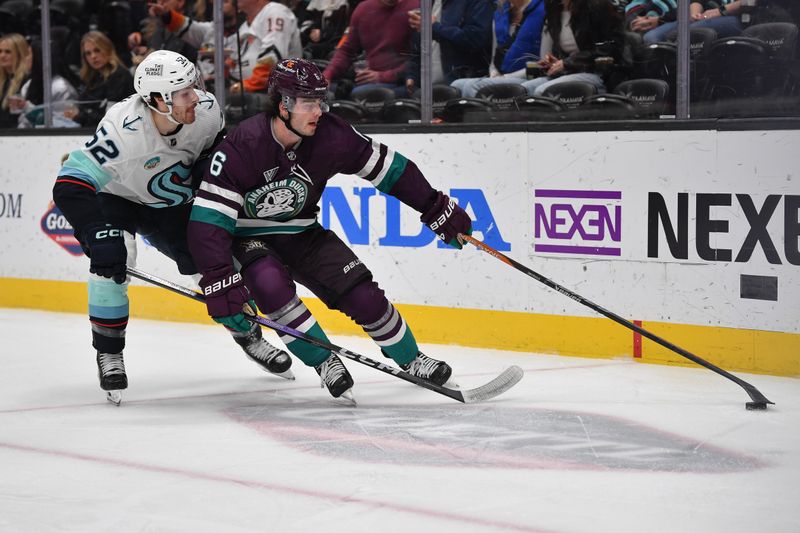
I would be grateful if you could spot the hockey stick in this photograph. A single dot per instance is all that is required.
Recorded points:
(507, 379)
(759, 400)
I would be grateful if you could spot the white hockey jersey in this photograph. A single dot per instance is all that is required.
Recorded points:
(272, 37)
(128, 156)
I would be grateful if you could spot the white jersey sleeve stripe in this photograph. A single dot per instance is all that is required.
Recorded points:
(225, 193)
(387, 164)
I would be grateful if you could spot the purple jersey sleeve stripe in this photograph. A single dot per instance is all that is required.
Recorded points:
(215, 218)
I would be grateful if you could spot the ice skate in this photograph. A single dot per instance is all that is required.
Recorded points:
(268, 357)
(429, 368)
(111, 371)
(334, 375)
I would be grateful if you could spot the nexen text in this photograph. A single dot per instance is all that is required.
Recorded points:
(564, 222)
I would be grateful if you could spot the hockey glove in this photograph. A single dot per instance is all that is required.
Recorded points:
(446, 219)
(106, 250)
(226, 296)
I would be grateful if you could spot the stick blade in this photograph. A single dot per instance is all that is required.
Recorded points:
(507, 379)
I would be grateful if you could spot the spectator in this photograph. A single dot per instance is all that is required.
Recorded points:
(378, 28)
(462, 41)
(269, 34)
(721, 17)
(154, 36)
(326, 22)
(648, 16)
(583, 40)
(15, 59)
(62, 90)
(105, 80)
(517, 37)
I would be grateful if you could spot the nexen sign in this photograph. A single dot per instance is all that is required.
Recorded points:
(355, 223)
(579, 222)
(715, 228)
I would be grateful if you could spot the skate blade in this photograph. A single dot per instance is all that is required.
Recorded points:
(287, 374)
(114, 396)
(347, 399)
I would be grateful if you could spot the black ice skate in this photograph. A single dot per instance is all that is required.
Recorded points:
(272, 359)
(111, 371)
(429, 368)
(334, 375)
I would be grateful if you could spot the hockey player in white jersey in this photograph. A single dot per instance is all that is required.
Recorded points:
(269, 35)
(136, 176)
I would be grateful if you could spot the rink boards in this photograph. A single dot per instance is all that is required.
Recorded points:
(693, 233)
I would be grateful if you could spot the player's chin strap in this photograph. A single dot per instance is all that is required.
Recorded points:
(288, 123)
(167, 114)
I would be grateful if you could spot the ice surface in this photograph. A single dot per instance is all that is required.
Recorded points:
(206, 442)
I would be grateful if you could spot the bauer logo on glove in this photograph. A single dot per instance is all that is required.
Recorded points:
(447, 220)
(222, 284)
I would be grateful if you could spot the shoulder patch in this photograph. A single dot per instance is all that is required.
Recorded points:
(152, 163)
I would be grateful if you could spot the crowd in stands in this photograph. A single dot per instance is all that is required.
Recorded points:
(512, 55)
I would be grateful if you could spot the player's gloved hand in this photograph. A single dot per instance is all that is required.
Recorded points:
(107, 252)
(226, 296)
(446, 219)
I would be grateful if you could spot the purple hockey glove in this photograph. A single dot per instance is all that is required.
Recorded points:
(106, 251)
(226, 296)
(446, 219)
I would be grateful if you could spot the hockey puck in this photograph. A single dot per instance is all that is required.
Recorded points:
(756, 406)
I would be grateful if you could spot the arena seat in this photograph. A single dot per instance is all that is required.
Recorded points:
(649, 95)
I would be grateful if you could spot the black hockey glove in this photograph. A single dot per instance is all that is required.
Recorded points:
(446, 219)
(226, 296)
(107, 252)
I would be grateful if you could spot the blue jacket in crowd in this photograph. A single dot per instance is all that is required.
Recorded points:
(513, 52)
(464, 34)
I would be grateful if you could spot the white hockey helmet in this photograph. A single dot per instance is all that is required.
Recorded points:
(162, 73)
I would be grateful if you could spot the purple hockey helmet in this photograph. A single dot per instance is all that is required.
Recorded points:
(298, 77)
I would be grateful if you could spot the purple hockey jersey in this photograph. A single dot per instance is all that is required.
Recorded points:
(255, 187)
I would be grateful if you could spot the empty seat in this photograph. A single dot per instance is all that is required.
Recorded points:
(780, 37)
(442, 93)
(781, 40)
(736, 67)
(538, 108)
(350, 111)
(373, 101)
(466, 110)
(607, 107)
(659, 61)
(402, 111)
(650, 96)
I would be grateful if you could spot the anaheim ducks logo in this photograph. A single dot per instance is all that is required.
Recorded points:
(278, 200)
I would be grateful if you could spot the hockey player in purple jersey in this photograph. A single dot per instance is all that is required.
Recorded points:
(258, 202)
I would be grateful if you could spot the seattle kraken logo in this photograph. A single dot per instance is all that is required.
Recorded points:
(172, 186)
